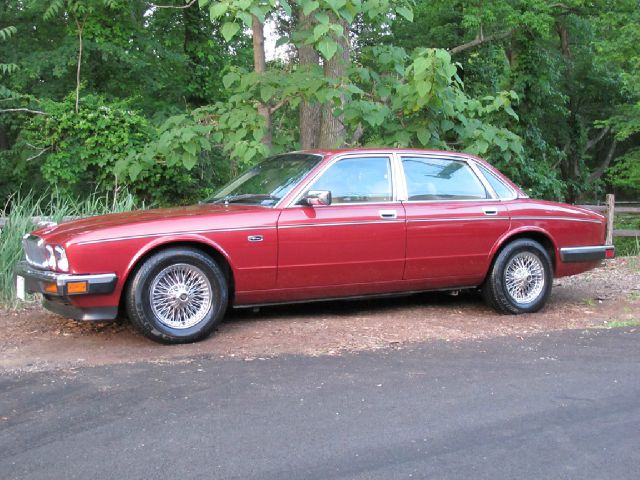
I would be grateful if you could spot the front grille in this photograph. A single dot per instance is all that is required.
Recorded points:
(35, 251)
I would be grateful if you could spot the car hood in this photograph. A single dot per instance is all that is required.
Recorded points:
(150, 222)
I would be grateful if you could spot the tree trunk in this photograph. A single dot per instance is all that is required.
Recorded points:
(259, 66)
(192, 18)
(563, 33)
(4, 140)
(309, 115)
(80, 26)
(332, 130)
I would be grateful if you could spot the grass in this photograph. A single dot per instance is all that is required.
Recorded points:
(19, 211)
(634, 322)
(627, 246)
(589, 301)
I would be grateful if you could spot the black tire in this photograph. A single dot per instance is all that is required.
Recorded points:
(495, 289)
(165, 266)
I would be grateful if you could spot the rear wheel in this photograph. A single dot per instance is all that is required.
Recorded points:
(178, 295)
(520, 279)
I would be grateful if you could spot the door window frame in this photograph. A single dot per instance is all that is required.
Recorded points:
(492, 197)
(394, 171)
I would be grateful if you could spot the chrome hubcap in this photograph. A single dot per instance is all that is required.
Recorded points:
(181, 296)
(524, 277)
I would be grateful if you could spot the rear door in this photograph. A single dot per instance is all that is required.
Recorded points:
(358, 239)
(453, 221)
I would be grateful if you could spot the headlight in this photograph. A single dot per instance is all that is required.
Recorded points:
(51, 257)
(61, 258)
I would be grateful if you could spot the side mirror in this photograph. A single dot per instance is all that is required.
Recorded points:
(315, 198)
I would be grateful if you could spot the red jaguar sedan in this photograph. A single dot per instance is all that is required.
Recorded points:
(315, 225)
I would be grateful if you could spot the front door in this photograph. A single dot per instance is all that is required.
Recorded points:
(358, 239)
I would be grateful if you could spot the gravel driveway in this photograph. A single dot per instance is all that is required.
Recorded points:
(33, 339)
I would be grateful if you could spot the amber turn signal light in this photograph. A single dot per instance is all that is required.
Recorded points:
(51, 288)
(77, 287)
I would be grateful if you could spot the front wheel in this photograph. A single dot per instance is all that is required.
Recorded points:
(177, 295)
(520, 279)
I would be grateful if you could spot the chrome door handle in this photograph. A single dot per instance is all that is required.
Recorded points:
(388, 214)
(490, 211)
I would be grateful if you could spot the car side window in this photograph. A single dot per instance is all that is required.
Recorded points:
(500, 188)
(357, 180)
(441, 179)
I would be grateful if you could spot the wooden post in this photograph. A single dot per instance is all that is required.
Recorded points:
(611, 204)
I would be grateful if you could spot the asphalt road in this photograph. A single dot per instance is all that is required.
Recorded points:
(563, 406)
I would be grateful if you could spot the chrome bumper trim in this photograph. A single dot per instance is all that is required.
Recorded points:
(586, 254)
(35, 279)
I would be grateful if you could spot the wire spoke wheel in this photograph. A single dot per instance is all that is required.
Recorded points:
(524, 277)
(181, 296)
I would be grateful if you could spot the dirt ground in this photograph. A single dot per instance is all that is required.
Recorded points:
(33, 339)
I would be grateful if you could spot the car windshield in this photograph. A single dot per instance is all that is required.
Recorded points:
(269, 181)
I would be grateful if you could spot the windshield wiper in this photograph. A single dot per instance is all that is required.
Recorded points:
(245, 196)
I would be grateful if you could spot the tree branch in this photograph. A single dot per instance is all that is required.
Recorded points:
(594, 141)
(26, 110)
(153, 5)
(480, 40)
(37, 154)
(597, 173)
(277, 106)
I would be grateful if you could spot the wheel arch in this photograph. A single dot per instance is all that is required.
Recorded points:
(532, 233)
(204, 245)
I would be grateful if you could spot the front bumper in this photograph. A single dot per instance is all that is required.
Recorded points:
(587, 254)
(55, 287)
(37, 281)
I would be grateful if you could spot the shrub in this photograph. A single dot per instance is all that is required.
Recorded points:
(19, 212)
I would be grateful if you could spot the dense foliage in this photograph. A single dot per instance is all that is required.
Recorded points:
(167, 101)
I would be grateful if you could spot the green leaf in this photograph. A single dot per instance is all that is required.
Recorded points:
(134, 170)
(218, 9)
(229, 79)
(285, 6)
(258, 12)
(229, 29)
(481, 147)
(190, 148)
(309, 7)
(322, 17)
(420, 65)
(424, 136)
(319, 31)
(423, 88)
(502, 143)
(189, 161)
(266, 92)
(406, 12)
(328, 48)
(246, 18)
(336, 4)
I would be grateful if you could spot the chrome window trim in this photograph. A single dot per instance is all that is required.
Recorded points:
(453, 157)
(514, 194)
(342, 156)
(456, 219)
(476, 169)
(342, 224)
